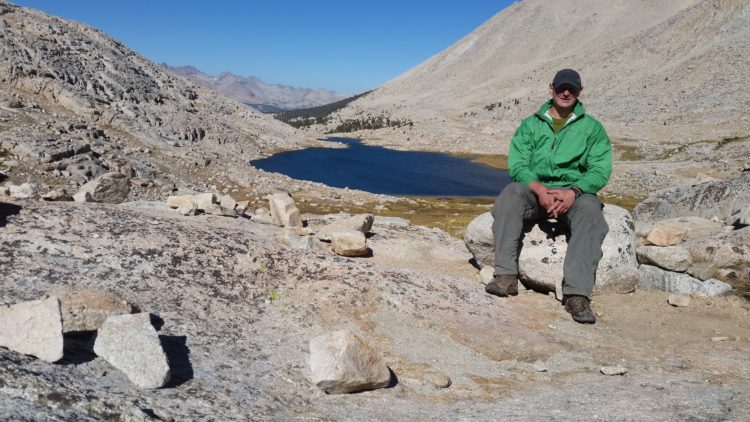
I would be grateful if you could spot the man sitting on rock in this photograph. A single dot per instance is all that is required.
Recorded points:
(560, 157)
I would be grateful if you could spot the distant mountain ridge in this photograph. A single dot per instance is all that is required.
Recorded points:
(253, 91)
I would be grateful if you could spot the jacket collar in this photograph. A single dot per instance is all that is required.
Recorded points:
(579, 110)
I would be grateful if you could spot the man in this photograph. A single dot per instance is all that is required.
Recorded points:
(560, 157)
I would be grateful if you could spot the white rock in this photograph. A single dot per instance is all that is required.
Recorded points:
(227, 202)
(679, 301)
(349, 243)
(57, 195)
(654, 278)
(111, 188)
(297, 241)
(540, 366)
(341, 362)
(283, 210)
(23, 191)
(672, 258)
(360, 222)
(33, 328)
(613, 370)
(541, 260)
(203, 200)
(130, 343)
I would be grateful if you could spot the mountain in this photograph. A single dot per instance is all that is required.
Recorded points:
(667, 72)
(258, 94)
(81, 103)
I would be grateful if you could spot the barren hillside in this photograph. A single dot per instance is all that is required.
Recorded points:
(665, 73)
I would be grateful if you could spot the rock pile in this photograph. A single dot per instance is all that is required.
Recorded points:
(127, 341)
(692, 235)
(207, 203)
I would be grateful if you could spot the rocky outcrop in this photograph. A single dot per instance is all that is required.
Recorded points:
(342, 362)
(130, 343)
(728, 200)
(109, 188)
(361, 223)
(544, 246)
(654, 278)
(33, 328)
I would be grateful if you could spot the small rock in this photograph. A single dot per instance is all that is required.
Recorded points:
(719, 338)
(57, 195)
(360, 222)
(540, 366)
(613, 370)
(23, 191)
(349, 243)
(679, 301)
(342, 362)
(227, 202)
(111, 188)
(33, 328)
(439, 380)
(86, 310)
(130, 343)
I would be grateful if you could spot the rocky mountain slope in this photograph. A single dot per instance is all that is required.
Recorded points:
(660, 76)
(75, 103)
(257, 93)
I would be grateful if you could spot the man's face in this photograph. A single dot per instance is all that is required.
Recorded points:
(564, 96)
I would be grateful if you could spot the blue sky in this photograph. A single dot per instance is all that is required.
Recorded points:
(349, 46)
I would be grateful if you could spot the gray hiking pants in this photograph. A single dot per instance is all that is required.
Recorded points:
(517, 204)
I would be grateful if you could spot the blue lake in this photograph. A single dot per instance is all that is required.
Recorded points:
(382, 170)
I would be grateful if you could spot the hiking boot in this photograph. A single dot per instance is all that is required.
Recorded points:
(578, 307)
(503, 285)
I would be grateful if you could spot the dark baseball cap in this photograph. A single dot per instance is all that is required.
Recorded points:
(567, 77)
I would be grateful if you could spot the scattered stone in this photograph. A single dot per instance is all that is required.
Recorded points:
(216, 209)
(86, 310)
(241, 207)
(675, 230)
(111, 188)
(342, 362)
(57, 195)
(203, 200)
(540, 366)
(679, 301)
(439, 380)
(672, 258)
(23, 191)
(283, 210)
(360, 222)
(184, 205)
(719, 338)
(227, 202)
(349, 243)
(33, 328)
(130, 343)
(654, 278)
(544, 247)
(613, 370)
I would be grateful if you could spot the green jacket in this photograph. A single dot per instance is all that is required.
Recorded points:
(579, 155)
